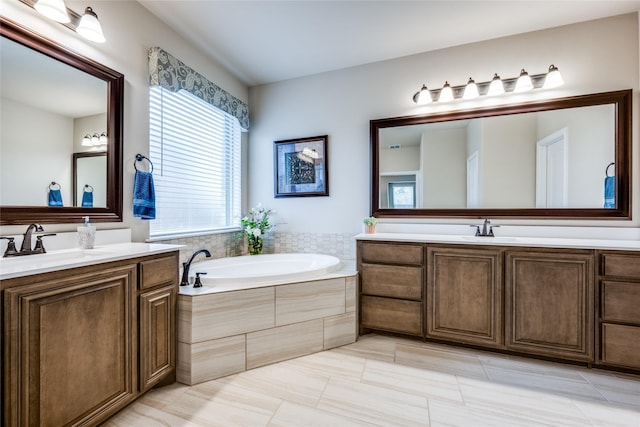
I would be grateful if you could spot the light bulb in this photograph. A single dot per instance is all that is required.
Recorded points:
(446, 94)
(496, 87)
(524, 82)
(553, 78)
(90, 27)
(53, 9)
(103, 138)
(86, 140)
(471, 90)
(423, 96)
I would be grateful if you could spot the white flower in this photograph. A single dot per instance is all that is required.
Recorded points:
(256, 232)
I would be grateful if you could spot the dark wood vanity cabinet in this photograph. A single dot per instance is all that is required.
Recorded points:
(619, 320)
(579, 305)
(391, 287)
(81, 344)
(464, 295)
(549, 303)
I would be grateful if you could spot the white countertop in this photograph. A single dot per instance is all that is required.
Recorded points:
(62, 259)
(543, 242)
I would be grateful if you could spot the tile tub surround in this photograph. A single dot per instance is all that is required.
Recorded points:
(223, 245)
(387, 381)
(223, 333)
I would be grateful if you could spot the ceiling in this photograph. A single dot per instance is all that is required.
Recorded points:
(270, 40)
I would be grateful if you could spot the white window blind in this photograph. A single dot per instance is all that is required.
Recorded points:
(195, 148)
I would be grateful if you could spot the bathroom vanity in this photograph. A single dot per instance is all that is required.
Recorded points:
(86, 332)
(566, 299)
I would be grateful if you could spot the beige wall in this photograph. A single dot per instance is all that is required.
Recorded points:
(595, 56)
(130, 31)
(341, 104)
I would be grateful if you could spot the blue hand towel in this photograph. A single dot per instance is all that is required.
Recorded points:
(55, 198)
(87, 199)
(610, 192)
(144, 197)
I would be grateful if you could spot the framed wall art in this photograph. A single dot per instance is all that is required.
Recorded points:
(301, 167)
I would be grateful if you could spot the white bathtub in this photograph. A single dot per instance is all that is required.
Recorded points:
(250, 271)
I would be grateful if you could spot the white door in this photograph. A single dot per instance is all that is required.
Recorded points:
(552, 171)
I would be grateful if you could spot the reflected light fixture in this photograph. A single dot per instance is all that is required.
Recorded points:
(496, 86)
(446, 93)
(524, 82)
(90, 27)
(53, 9)
(471, 90)
(95, 140)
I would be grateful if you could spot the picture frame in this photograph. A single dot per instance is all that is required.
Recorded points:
(301, 167)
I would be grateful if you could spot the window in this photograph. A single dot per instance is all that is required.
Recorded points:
(195, 148)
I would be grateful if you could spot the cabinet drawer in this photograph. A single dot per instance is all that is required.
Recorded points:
(621, 302)
(621, 265)
(392, 281)
(159, 271)
(391, 253)
(391, 315)
(621, 345)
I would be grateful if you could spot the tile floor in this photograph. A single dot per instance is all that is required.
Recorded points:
(386, 381)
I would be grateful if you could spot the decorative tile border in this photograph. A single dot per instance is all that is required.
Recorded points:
(341, 245)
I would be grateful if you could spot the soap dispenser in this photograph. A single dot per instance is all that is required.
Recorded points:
(86, 234)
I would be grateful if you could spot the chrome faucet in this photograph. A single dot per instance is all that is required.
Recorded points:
(187, 265)
(487, 229)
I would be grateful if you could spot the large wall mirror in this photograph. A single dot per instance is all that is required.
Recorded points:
(51, 99)
(561, 158)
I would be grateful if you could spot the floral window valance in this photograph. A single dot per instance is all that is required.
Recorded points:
(167, 71)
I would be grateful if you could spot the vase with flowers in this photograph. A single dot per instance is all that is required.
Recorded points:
(254, 226)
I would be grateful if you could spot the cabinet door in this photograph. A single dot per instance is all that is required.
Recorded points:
(157, 335)
(464, 295)
(69, 351)
(549, 303)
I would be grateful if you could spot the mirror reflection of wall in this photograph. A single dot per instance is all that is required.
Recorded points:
(46, 107)
(90, 176)
(491, 162)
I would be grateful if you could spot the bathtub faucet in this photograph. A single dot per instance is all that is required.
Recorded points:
(187, 265)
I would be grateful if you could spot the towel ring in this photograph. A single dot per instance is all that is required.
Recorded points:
(86, 186)
(53, 185)
(139, 158)
(606, 172)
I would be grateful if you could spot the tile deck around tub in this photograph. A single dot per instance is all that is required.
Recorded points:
(388, 381)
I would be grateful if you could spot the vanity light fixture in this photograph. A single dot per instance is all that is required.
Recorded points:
(53, 9)
(523, 83)
(553, 79)
(423, 96)
(87, 25)
(90, 27)
(496, 86)
(95, 140)
(471, 90)
(446, 93)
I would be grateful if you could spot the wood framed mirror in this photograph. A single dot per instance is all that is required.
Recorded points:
(547, 159)
(32, 52)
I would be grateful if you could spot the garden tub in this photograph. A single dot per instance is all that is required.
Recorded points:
(250, 271)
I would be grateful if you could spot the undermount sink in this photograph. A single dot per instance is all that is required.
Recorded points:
(486, 239)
